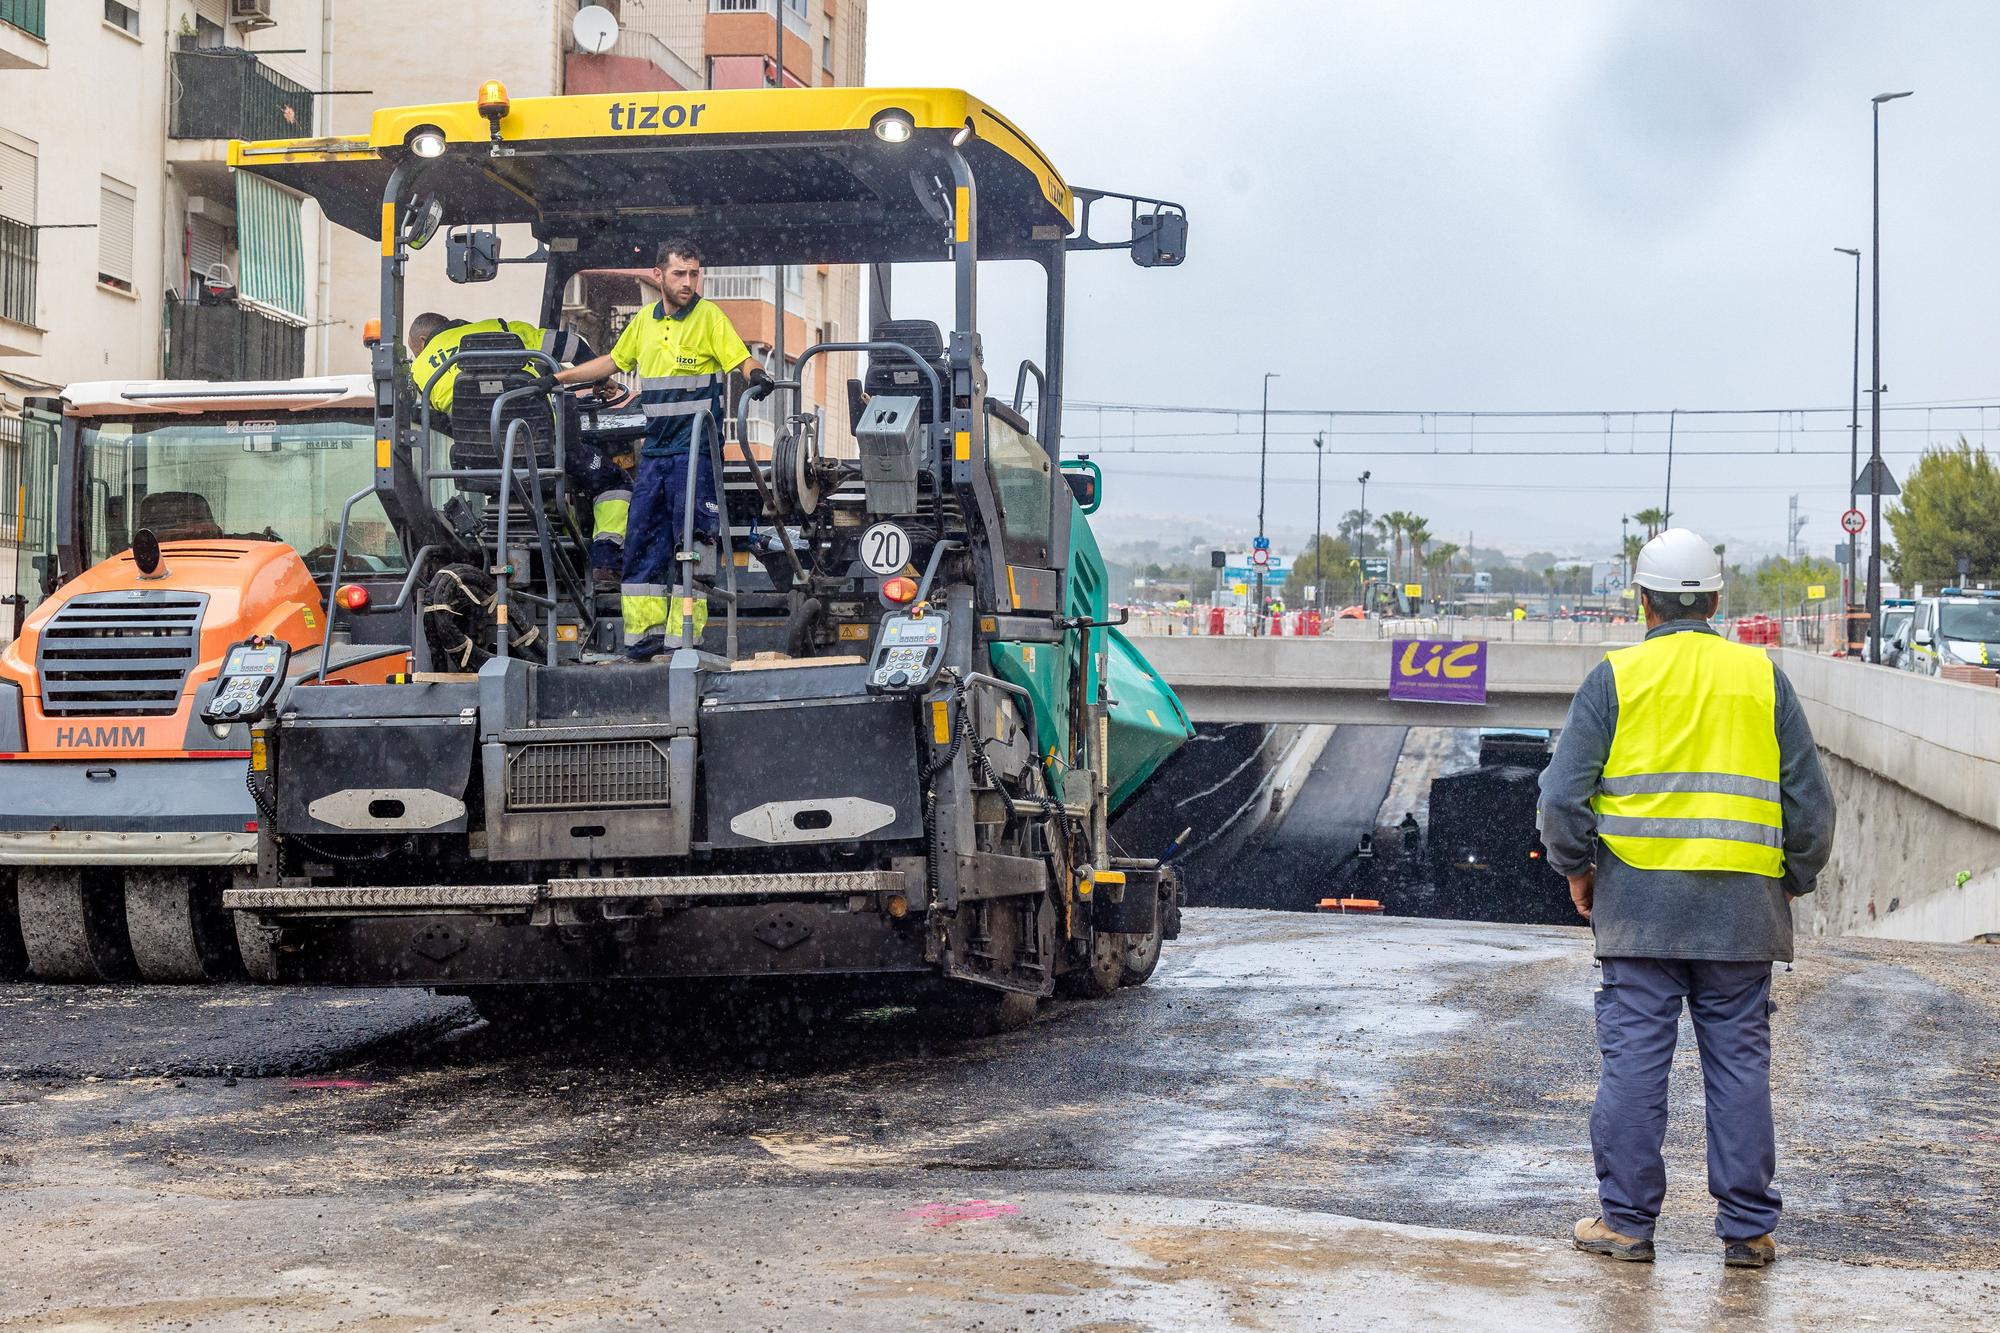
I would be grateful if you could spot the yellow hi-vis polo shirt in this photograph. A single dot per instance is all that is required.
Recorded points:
(565, 347)
(682, 358)
(1692, 779)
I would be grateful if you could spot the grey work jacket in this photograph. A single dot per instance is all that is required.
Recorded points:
(1721, 916)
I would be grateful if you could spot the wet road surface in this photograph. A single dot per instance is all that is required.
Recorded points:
(1258, 1140)
(1313, 852)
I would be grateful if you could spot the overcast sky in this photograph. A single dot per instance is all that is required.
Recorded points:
(1494, 204)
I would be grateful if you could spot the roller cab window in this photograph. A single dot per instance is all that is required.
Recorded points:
(236, 479)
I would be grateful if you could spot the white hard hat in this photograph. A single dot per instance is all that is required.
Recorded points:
(1679, 560)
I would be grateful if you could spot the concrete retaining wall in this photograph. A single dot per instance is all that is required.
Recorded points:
(1915, 766)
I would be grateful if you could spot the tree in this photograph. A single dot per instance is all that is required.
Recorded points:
(1307, 572)
(1419, 535)
(1633, 545)
(1438, 568)
(1654, 519)
(1389, 527)
(1949, 509)
(1352, 524)
(1777, 586)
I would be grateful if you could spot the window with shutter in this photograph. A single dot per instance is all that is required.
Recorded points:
(17, 179)
(117, 206)
(208, 252)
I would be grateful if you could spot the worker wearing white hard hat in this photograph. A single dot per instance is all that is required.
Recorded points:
(1686, 805)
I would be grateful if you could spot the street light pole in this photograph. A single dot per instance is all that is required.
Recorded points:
(1624, 547)
(1853, 639)
(1263, 457)
(1875, 401)
(1361, 584)
(1319, 523)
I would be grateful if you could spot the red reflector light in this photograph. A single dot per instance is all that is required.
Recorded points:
(352, 596)
(249, 826)
(900, 590)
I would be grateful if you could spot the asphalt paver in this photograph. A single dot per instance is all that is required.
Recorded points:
(1303, 1122)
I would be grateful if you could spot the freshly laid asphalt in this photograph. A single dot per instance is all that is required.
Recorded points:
(1303, 1122)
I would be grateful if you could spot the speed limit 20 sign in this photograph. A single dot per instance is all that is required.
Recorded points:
(885, 549)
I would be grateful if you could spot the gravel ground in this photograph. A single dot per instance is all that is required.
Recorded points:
(1264, 1137)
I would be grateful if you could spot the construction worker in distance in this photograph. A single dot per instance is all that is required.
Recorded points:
(1686, 806)
(434, 337)
(683, 349)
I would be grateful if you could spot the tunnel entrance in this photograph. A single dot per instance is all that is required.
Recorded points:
(1426, 821)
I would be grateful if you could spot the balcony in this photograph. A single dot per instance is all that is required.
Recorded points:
(19, 265)
(24, 34)
(221, 93)
(646, 57)
(227, 341)
(794, 10)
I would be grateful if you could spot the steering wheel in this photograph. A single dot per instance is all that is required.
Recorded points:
(606, 393)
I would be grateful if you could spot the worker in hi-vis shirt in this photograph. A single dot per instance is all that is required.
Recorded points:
(683, 348)
(432, 340)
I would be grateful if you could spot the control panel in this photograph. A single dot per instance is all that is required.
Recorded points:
(908, 652)
(251, 673)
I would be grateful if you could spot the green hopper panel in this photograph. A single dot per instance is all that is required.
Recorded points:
(1147, 720)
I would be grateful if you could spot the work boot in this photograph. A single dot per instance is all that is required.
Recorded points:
(604, 580)
(1593, 1237)
(1757, 1252)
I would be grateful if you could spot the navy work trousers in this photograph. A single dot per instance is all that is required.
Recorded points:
(1638, 1021)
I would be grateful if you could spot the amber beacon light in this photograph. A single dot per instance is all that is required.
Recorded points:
(493, 100)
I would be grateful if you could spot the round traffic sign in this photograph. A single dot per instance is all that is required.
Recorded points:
(885, 548)
(1260, 556)
(1853, 521)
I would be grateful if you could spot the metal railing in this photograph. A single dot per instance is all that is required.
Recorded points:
(30, 16)
(19, 265)
(226, 93)
(228, 341)
(23, 501)
(751, 283)
(737, 284)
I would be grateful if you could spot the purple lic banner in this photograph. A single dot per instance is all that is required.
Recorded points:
(1438, 671)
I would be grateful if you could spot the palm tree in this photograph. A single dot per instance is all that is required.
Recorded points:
(1440, 566)
(1419, 533)
(1633, 545)
(1389, 527)
(1654, 519)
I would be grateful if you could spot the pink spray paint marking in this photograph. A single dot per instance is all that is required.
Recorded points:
(343, 1084)
(971, 1210)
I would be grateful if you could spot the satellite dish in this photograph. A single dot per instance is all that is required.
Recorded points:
(595, 29)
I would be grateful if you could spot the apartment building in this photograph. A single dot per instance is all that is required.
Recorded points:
(126, 247)
(661, 45)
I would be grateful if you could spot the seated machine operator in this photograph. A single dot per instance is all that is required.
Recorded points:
(683, 348)
(432, 340)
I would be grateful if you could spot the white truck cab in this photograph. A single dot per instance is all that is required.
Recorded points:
(1955, 627)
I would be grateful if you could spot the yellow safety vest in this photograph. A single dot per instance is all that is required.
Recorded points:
(1691, 782)
(564, 346)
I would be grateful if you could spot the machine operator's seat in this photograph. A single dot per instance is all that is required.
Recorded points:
(892, 373)
(178, 516)
(474, 445)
